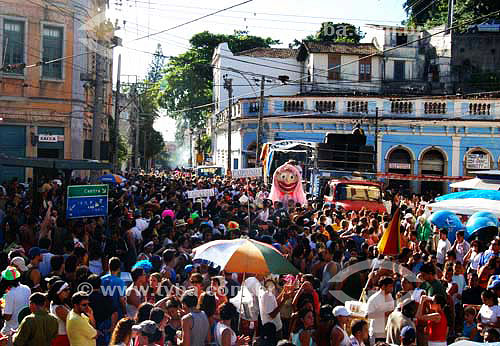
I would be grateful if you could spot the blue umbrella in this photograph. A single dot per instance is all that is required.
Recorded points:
(487, 194)
(112, 179)
(483, 214)
(476, 224)
(449, 220)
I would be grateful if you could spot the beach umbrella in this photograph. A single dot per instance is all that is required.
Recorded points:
(112, 179)
(445, 219)
(244, 256)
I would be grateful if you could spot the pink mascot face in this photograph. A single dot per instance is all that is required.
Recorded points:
(287, 178)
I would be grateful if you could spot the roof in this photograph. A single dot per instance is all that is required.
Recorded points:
(281, 53)
(341, 48)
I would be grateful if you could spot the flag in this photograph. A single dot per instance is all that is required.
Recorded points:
(390, 244)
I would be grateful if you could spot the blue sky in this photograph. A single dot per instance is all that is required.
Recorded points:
(280, 19)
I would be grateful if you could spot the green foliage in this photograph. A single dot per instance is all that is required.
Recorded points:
(334, 32)
(187, 78)
(429, 14)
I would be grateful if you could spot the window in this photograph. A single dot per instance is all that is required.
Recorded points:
(401, 39)
(479, 108)
(325, 106)
(52, 49)
(399, 70)
(333, 70)
(293, 106)
(401, 107)
(254, 107)
(357, 106)
(365, 69)
(435, 108)
(13, 43)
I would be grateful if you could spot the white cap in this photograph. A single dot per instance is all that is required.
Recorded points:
(341, 311)
(19, 263)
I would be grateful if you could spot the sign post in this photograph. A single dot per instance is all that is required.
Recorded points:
(247, 173)
(87, 201)
(194, 194)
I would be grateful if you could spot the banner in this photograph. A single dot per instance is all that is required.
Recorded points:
(201, 193)
(247, 173)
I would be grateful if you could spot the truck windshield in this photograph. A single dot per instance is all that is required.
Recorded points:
(357, 192)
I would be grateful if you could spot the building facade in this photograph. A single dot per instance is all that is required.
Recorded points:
(423, 143)
(43, 100)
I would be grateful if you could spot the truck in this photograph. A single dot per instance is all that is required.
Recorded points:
(341, 170)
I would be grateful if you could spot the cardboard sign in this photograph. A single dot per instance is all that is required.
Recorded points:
(201, 193)
(247, 173)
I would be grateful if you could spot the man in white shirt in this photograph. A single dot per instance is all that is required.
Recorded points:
(379, 306)
(16, 299)
(460, 246)
(270, 306)
(443, 247)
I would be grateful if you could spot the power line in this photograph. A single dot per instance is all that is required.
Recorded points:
(357, 60)
(193, 20)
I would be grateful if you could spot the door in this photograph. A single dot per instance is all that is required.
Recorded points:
(399, 70)
(12, 143)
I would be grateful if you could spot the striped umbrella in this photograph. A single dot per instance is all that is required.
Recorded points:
(112, 179)
(244, 256)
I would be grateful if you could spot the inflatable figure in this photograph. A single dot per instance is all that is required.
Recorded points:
(287, 185)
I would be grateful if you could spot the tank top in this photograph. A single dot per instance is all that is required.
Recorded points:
(437, 330)
(61, 325)
(296, 339)
(200, 328)
(219, 329)
(346, 341)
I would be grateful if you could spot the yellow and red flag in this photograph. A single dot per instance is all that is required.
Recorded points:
(390, 244)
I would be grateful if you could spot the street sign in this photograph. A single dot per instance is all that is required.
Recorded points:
(247, 173)
(201, 193)
(87, 201)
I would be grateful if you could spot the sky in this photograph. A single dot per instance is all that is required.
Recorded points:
(285, 20)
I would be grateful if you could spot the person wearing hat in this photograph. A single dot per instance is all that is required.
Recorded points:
(408, 336)
(39, 327)
(19, 263)
(325, 325)
(32, 276)
(148, 333)
(80, 323)
(339, 336)
(15, 300)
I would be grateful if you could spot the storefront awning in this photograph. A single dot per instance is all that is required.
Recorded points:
(421, 177)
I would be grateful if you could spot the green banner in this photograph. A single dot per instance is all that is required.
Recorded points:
(87, 190)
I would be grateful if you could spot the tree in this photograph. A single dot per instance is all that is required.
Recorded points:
(333, 32)
(430, 13)
(151, 141)
(187, 78)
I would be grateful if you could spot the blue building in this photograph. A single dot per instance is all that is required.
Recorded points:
(423, 143)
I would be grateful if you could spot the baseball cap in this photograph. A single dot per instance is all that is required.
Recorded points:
(11, 273)
(408, 334)
(494, 285)
(233, 225)
(33, 252)
(340, 311)
(19, 263)
(188, 268)
(147, 327)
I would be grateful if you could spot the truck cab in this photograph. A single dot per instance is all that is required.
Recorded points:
(354, 194)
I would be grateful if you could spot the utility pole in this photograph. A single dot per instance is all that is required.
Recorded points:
(98, 98)
(376, 140)
(228, 85)
(451, 12)
(137, 128)
(190, 132)
(146, 163)
(259, 126)
(117, 114)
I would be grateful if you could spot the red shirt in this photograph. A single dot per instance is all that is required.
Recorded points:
(437, 330)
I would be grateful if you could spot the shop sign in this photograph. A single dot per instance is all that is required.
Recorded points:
(477, 161)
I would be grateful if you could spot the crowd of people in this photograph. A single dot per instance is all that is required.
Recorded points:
(130, 279)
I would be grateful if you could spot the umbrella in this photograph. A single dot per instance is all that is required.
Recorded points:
(477, 184)
(112, 178)
(244, 256)
(449, 220)
(486, 194)
(467, 206)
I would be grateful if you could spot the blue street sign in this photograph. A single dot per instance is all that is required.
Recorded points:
(87, 201)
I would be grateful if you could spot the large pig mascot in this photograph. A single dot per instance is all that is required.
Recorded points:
(287, 185)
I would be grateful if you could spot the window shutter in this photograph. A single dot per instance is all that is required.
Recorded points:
(52, 50)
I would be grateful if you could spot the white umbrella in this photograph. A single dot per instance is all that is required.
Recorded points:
(466, 206)
(477, 184)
